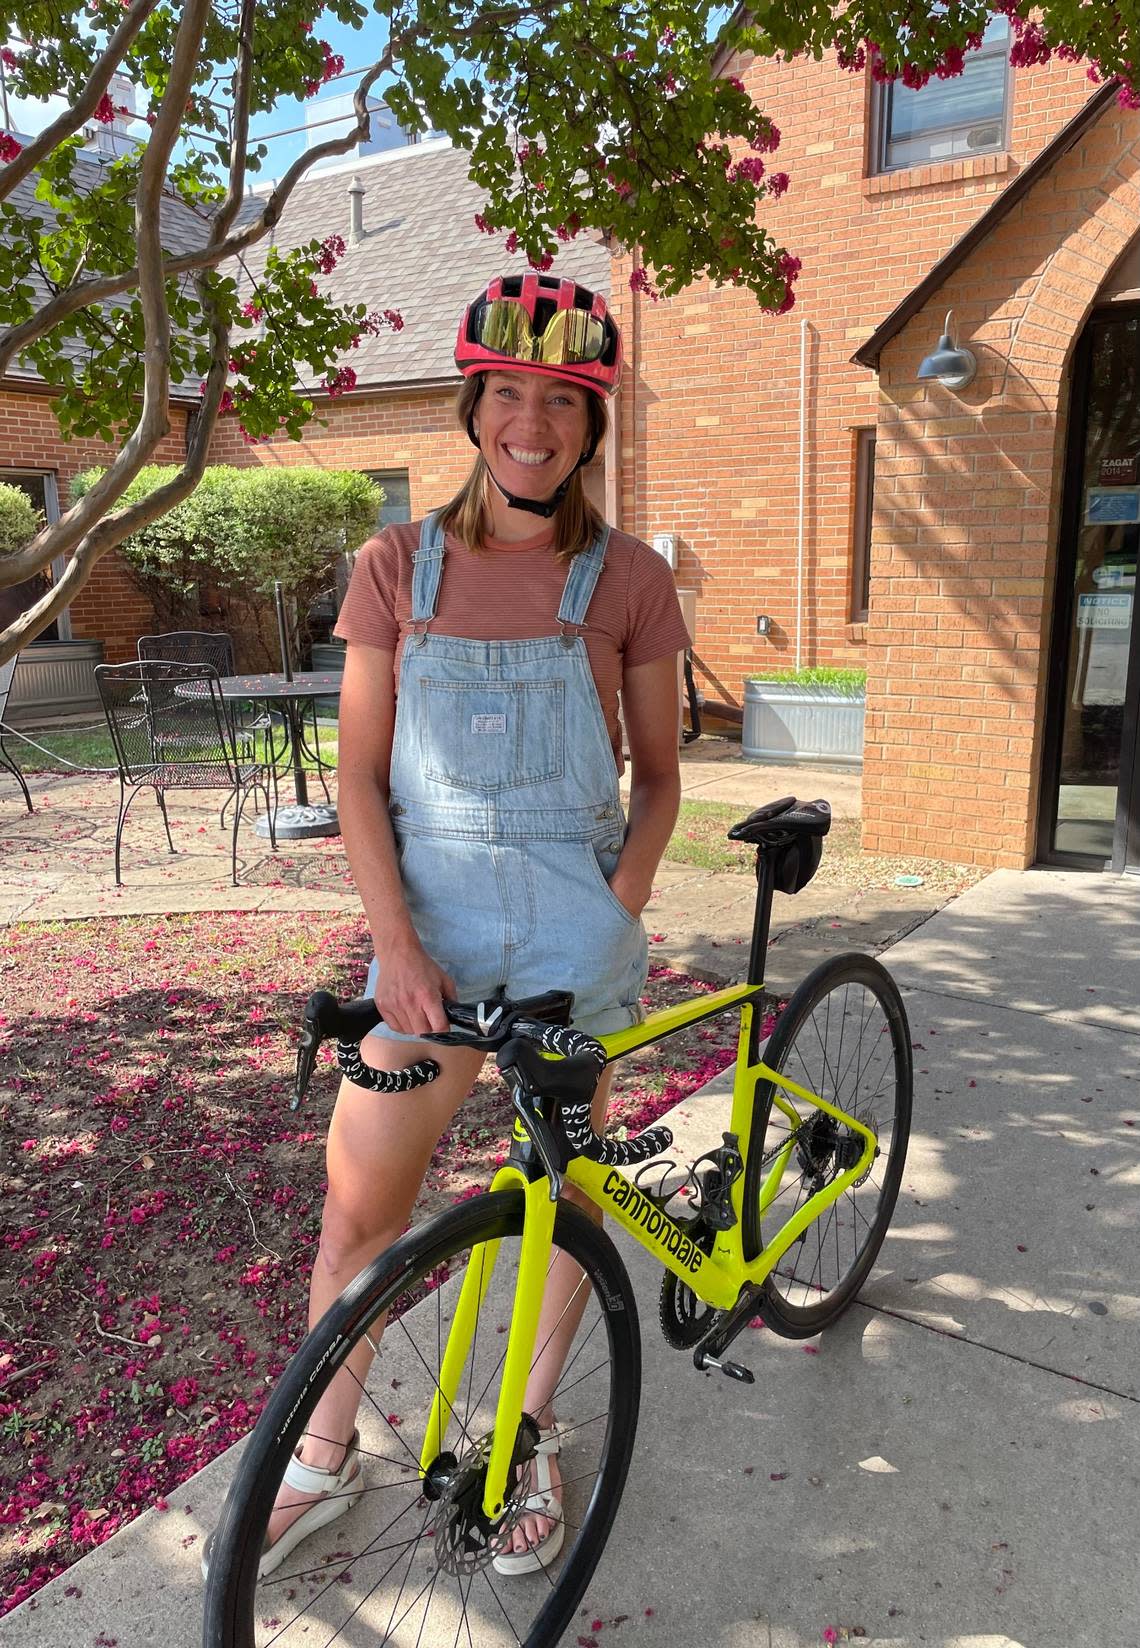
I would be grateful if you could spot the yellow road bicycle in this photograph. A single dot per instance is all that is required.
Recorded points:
(784, 1218)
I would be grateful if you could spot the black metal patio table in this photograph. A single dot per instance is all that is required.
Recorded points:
(304, 818)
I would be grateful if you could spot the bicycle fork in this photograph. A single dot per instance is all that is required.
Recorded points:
(530, 1285)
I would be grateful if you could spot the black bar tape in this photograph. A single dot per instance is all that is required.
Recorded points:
(610, 1152)
(383, 1081)
(558, 1038)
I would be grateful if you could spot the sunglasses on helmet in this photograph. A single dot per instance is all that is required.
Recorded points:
(571, 337)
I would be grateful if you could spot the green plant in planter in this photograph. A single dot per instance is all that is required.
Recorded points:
(847, 683)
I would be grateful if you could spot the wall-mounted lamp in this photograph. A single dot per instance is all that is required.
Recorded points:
(763, 624)
(951, 364)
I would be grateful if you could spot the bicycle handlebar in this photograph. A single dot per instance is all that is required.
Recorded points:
(491, 1027)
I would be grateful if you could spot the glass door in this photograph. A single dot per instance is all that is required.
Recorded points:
(1095, 818)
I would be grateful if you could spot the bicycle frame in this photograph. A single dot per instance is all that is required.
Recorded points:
(717, 1278)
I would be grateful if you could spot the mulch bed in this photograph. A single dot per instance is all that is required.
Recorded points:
(161, 1203)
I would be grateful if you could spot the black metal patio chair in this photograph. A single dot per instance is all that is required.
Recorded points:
(170, 730)
(7, 759)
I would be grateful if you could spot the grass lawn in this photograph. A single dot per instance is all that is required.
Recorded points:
(92, 751)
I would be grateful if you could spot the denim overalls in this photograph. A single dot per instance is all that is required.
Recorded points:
(504, 803)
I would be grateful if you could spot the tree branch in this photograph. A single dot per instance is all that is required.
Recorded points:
(72, 529)
(89, 292)
(85, 104)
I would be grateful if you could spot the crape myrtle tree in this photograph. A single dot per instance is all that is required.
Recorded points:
(578, 114)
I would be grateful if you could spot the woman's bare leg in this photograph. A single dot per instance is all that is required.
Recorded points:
(379, 1147)
(562, 1307)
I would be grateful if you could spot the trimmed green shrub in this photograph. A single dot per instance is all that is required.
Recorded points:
(20, 520)
(216, 555)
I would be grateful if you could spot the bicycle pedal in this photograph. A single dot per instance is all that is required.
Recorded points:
(731, 1370)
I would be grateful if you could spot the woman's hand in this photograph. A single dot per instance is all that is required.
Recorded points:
(412, 988)
(630, 890)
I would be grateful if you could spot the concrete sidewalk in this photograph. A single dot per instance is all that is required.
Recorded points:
(959, 1464)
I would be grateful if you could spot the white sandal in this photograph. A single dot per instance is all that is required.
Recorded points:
(339, 1492)
(546, 1500)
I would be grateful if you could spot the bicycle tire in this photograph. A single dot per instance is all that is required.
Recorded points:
(241, 1613)
(844, 1035)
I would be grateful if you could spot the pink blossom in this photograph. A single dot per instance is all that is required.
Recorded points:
(511, 244)
(252, 311)
(542, 263)
(9, 58)
(749, 169)
(329, 253)
(484, 227)
(777, 184)
(104, 110)
(1029, 48)
(767, 140)
(341, 382)
(9, 148)
(639, 282)
(667, 36)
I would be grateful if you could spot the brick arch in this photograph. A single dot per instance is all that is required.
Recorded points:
(967, 507)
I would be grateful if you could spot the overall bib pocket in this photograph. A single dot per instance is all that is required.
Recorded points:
(491, 736)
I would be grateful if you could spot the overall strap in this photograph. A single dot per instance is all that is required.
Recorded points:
(581, 581)
(427, 570)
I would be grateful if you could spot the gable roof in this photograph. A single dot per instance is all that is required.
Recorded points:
(420, 253)
(183, 230)
(869, 353)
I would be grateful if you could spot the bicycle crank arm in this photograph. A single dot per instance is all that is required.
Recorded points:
(728, 1324)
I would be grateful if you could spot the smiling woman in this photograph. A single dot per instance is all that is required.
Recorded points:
(478, 790)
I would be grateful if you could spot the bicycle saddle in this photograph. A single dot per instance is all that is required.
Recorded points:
(777, 821)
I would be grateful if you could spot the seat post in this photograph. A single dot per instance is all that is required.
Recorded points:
(761, 922)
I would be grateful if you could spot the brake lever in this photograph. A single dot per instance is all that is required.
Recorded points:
(537, 1129)
(312, 1034)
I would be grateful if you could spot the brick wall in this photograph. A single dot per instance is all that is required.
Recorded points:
(416, 432)
(710, 444)
(967, 504)
(109, 608)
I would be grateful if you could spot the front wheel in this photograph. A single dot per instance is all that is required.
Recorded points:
(844, 1036)
(412, 1562)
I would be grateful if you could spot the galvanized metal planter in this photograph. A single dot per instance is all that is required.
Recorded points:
(55, 678)
(785, 721)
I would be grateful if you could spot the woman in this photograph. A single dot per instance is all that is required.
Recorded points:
(478, 794)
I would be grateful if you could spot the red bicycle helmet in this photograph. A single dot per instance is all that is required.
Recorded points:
(539, 323)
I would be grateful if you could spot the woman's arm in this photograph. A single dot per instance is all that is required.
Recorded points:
(411, 984)
(651, 709)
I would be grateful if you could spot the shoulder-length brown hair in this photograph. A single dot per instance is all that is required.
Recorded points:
(576, 523)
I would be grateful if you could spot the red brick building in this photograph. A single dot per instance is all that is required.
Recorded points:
(942, 545)
(974, 547)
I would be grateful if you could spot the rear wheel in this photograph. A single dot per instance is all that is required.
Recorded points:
(843, 1035)
(411, 1564)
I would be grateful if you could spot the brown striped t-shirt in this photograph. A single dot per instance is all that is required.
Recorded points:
(512, 593)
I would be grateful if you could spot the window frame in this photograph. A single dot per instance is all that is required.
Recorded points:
(862, 516)
(378, 475)
(50, 479)
(882, 96)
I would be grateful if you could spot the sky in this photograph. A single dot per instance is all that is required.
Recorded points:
(358, 47)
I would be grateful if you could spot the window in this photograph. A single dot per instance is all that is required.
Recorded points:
(40, 487)
(861, 542)
(397, 505)
(947, 118)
